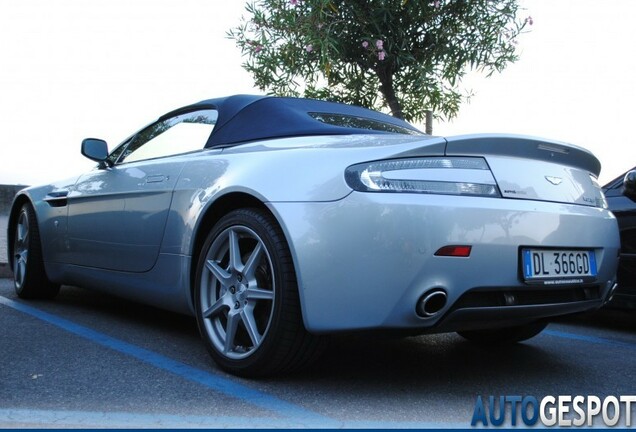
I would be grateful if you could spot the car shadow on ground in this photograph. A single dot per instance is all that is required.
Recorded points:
(439, 362)
(605, 318)
(366, 363)
(430, 361)
(93, 302)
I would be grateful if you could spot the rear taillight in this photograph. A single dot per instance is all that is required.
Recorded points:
(433, 175)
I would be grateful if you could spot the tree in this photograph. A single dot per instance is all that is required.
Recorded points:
(407, 55)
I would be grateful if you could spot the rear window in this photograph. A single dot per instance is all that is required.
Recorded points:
(361, 123)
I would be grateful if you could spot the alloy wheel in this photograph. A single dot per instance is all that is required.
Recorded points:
(21, 249)
(237, 290)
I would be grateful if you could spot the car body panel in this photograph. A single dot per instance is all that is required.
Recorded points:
(166, 285)
(270, 172)
(377, 252)
(544, 181)
(129, 204)
(51, 211)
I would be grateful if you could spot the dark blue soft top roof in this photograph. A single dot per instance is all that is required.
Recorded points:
(246, 118)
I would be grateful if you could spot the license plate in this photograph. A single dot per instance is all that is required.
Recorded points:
(558, 266)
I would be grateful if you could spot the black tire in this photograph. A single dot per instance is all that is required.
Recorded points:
(247, 308)
(29, 275)
(506, 335)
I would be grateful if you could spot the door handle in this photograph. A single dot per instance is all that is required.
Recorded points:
(156, 178)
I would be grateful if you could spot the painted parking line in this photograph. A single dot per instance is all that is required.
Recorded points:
(290, 415)
(208, 379)
(589, 339)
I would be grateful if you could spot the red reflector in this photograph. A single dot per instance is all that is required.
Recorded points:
(454, 251)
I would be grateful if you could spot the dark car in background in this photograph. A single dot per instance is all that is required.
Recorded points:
(621, 199)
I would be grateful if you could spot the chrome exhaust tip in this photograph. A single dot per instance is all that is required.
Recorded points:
(431, 303)
(610, 294)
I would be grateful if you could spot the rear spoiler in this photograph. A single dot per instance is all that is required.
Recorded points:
(524, 147)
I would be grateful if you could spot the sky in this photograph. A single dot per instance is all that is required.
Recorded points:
(71, 69)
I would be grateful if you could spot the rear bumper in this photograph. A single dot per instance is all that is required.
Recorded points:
(479, 309)
(493, 317)
(365, 261)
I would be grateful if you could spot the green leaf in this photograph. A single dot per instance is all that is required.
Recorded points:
(427, 49)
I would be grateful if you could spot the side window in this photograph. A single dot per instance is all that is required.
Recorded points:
(181, 134)
(615, 189)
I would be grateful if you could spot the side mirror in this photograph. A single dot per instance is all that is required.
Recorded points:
(95, 149)
(629, 183)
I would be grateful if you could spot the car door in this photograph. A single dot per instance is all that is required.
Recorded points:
(117, 214)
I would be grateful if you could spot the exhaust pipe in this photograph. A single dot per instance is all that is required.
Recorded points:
(610, 294)
(431, 303)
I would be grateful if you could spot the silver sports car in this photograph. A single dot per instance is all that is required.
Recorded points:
(276, 221)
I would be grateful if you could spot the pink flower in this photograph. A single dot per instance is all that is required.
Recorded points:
(365, 44)
(309, 48)
(436, 4)
(258, 48)
(293, 2)
(529, 20)
(379, 44)
(381, 55)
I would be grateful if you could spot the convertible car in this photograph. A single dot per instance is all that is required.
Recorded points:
(276, 221)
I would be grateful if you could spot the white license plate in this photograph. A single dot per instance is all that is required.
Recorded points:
(567, 266)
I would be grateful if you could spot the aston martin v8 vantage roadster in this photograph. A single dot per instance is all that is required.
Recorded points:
(276, 221)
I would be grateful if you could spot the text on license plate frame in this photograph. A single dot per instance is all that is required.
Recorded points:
(560, 265)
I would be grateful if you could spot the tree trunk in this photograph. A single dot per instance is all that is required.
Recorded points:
(429, 122)
(387, 90)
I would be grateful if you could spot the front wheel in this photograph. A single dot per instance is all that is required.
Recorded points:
(504, 335)
(246, 297)
(29, 276)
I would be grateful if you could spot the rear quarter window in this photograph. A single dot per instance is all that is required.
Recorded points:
(356, 122)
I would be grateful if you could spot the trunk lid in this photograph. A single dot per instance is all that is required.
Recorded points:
(535, 169)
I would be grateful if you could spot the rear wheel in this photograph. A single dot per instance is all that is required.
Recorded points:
(246, 297)
(504, 335)
(29, 276)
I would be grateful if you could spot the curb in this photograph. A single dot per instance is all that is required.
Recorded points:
(5, 271)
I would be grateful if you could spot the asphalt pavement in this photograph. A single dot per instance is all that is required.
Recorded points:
(88, 359)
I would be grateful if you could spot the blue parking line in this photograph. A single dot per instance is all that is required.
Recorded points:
(228, 387)
(590, 339)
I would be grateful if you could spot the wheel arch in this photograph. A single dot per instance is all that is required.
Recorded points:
(219, 208)
(17, 204)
